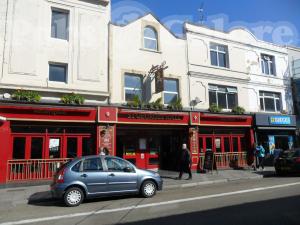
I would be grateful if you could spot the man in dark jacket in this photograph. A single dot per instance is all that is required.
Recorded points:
(185, 162)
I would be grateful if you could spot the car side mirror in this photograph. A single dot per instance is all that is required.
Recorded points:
(128, 170)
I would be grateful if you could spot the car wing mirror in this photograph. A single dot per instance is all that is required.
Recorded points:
(128, 169)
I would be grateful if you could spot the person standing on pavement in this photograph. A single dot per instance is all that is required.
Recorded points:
(260, 152)
(185, 162)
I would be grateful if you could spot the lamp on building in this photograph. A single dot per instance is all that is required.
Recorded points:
(195, 102)
(2, 118)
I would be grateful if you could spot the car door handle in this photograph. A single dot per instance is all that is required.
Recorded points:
(111, 175)
(84, 175)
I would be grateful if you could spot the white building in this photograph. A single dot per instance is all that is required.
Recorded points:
(134, 48)
(55, 47)
(235, 69)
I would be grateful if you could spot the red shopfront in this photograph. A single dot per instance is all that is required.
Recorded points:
(35, 138)
(231, 137)
(149, 139)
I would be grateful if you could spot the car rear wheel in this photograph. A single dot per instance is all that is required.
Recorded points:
(148, 189)
(73, 197)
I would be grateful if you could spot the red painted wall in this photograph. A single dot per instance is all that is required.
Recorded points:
(5, 147)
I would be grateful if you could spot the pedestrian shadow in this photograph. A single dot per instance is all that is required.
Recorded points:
(168, 177)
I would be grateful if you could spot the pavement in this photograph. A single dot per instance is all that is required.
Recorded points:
(13, 196)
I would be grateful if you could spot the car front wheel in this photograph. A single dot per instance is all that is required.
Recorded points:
(148, 189)
(73, 197)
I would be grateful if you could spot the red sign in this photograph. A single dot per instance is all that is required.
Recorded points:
(107, 114)
(48, 113)
(225, 120)
(152, 117)
(106, 138)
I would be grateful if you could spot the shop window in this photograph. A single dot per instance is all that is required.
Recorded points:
(54, 148)
(208, 144)
(235, 144)
(226, 144)
(71, 147)
(224, 97)
(218, 144)
(243, 144)
(219, 55)
(37, 148)
(267, 64)
(153, 161)
(201, 144)
(270, 101)
(150, 38)
(171, 93)
(92, 165)
(87, 146)
(133, 87)
(19, 144)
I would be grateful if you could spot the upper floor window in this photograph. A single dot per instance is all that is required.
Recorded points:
(267, 64)
(224, 97)
(150, 38)
(219, 55)
(58, 72)
(270, 101)
(171, 93)
(60, 24)
(133, 87)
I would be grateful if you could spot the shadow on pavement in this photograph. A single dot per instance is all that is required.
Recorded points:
(283, 211)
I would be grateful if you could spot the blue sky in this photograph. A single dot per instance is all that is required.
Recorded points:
(276, 21)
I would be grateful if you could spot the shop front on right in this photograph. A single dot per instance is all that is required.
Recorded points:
(275, 132)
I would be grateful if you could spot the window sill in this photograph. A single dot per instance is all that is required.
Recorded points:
(220, 67)
(150, 50)
(268, 75)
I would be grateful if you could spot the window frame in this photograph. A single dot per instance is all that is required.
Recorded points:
(270, 63)
(150, 38)
(65, 65)
(269, 97)
(131, 88)
(216, 90)
(65, 11)
(217, 51)
(171, 92)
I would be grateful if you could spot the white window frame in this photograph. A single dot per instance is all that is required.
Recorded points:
(270, 63)
(219, 51)
(229, 90)
(274, 99)
(171, 92)
(150, 38)
(130, 88)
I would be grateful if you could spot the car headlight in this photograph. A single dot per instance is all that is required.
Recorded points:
(156, 175)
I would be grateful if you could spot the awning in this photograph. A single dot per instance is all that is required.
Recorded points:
(276, 128)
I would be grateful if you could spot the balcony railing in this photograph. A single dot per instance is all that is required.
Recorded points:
(33, 169)
(227, 160)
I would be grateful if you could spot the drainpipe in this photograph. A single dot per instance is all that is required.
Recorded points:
(4, 39)
(108, 62)
(188, 67)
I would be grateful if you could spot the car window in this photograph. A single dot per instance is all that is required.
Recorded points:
(92, 165)
(115, 164)
(76, 167)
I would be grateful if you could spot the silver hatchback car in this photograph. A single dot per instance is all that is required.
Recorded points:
(96, 176)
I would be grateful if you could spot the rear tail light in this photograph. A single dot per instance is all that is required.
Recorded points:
(297, 160)
(60, 176)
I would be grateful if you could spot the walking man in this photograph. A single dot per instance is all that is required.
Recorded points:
(260, 152)
(185, 162)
